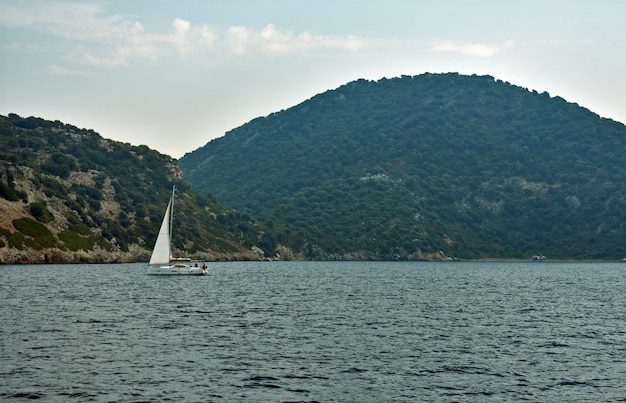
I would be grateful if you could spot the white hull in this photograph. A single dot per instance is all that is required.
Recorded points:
(177, 270)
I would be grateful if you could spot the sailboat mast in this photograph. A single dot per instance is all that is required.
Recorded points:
(172, 214)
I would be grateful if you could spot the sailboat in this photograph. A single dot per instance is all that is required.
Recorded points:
(161, 261)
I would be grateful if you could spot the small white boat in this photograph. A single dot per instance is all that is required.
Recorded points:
(161, 261)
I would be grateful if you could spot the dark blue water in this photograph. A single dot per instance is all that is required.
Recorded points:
(313, 331)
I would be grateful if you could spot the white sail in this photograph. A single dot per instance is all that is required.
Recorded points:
(161, 259)
(162, 253)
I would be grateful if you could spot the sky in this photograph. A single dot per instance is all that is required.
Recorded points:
(175, 74)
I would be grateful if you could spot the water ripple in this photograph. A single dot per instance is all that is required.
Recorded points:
(315, 331)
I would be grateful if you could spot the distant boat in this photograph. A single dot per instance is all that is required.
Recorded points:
(161, 261)
(539, 258)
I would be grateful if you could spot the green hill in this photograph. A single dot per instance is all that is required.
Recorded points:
(69, 195)
(424, 167)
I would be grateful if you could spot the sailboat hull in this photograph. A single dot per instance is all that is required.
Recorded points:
(177, 270)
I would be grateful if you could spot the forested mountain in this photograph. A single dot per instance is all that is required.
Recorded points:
(69, 195)
(426, 166)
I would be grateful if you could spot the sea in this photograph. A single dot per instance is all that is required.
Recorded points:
(315, 332)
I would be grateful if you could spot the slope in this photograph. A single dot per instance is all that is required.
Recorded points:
(68, 195)
(419, 166)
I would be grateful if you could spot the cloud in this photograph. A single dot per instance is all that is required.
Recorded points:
(271, 40)
(68, 20)
(92, 36)
(181, 29)
(471, 49)
(64, 71)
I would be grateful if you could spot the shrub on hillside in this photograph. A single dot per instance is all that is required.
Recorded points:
(37, 231)
(41, 212)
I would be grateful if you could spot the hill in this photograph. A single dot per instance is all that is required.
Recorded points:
(424, 167)
(68, 195)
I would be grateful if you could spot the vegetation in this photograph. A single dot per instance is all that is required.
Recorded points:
(40, 212)
(411, 167)
(407, 168)
(79, 237)
(76, 191)
(38, 236)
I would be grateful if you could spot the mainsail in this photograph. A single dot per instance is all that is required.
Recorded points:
(162, 253)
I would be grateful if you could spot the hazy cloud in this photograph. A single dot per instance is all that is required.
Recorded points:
(72, 21)
(98, 39)
(271, 40)
(64, 71)
(471, 49)
(136, 44)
